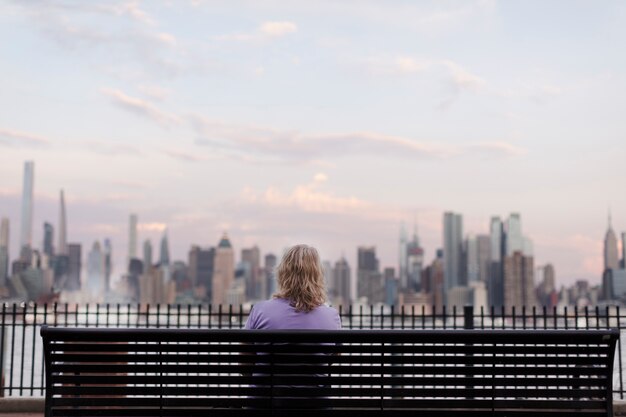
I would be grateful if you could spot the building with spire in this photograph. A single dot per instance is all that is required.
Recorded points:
(223, 270)
(611, 260)
(26, 232)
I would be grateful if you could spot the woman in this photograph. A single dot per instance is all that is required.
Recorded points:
(299, 302)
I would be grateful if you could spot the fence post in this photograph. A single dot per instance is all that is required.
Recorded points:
(468, 317)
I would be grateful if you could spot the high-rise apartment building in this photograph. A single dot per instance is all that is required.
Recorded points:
(164, 255)
(342, 285)
(270, 274)
(95, 273)
(74, 267)
(251, 260)
(611, 260)
(48, 238)
(484, 257)
(514, 241)
(62, 248)
(519, 284)
(201, 266)
(452, 249)
(132, 237)
(495, 284)
(369, 279)
(26, 233)
(223, 270)
(147, 253)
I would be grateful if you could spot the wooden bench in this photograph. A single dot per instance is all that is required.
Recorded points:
(183, 372)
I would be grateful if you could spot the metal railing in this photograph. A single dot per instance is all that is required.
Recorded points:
(21, 352)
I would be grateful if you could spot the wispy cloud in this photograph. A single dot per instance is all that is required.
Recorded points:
(498, 149)
(267, 30)
(185, 156)
(141, 107)
(11, 137)
(110, 149)
(306, 197)
(278, 28)
(295, 146)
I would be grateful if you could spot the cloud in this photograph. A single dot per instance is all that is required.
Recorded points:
(267, 30)
(305, 197)
(185, 156)
(498, 148)
(278, 28)
(111, 149)
(400, 65)
(461, 79)
(154, 92)
(296, 146)
(141, 107)
(11, 137)
(151, 227)
(266, 144)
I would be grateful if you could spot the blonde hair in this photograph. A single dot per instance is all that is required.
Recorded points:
(300, 278)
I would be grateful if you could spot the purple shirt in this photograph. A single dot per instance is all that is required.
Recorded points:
(278, 314)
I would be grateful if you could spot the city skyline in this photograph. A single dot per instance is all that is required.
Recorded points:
(281, 127)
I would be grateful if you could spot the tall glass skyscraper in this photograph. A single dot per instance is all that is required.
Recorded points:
(26, 236)
(452, 249)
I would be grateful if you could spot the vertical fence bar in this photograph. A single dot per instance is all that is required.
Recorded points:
(2, 339)
(45, 321)
(619, 350)
(23, 347)
(13, 320)
(33, 344)
(565, 316)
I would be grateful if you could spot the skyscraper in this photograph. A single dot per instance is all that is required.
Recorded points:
(164, 255)
(342, 280)
(611, 260)
(4, 251)
(270, 278)
(251, 259)
(369, 279)
(108, 265)
(62, 248)
(95, 273)
(48, 238)
(147, 253)
(74, 267)
(452, 247)
(223, 270)
(201, 265)
(484, 253)
(414, 263)
(495, 285)
(514, 241)
(132, 237)
(519, 284)
(26, 236)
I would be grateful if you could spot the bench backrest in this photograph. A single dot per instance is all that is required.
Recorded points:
(176, 372)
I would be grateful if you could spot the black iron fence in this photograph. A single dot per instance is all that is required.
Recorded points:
(21, 353)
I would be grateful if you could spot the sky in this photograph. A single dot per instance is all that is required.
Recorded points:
(327, 122)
